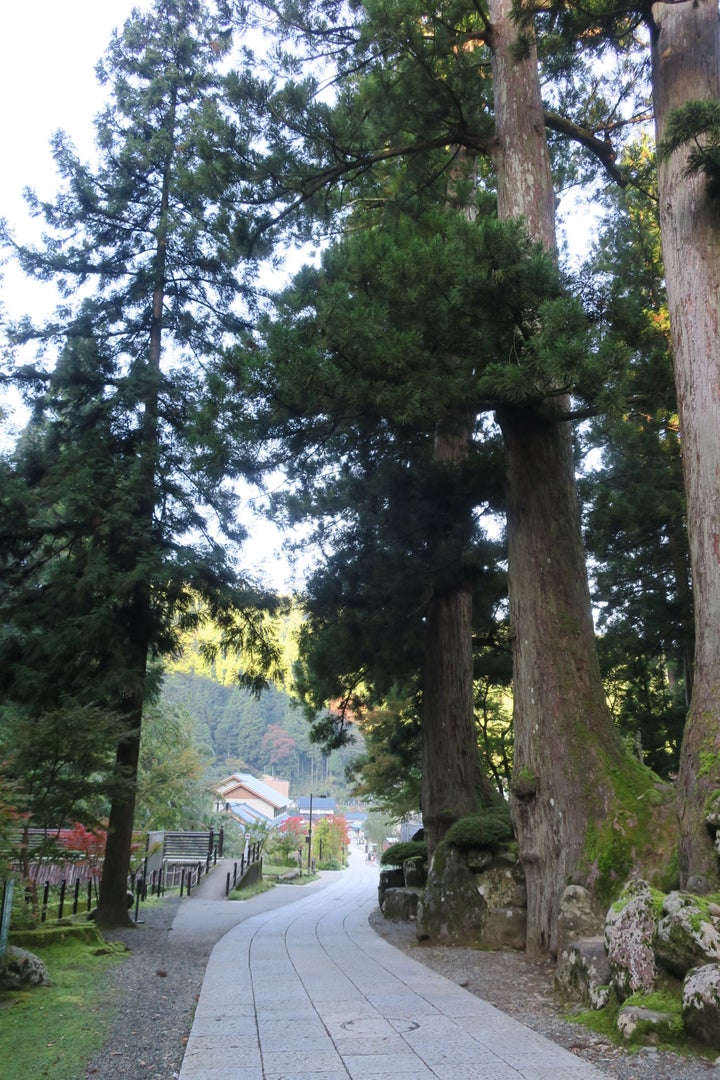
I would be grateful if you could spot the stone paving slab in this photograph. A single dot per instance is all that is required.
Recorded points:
(309, 991)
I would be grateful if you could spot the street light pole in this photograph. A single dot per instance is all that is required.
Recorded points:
(310, 834)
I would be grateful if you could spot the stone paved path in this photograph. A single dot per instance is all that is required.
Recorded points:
(309, 991)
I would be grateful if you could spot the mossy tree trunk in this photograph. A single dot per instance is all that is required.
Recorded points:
(566, 747)
(686, 67)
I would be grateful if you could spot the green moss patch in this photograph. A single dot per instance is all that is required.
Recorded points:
(44, 936)
(56, 1030)
(638, 837)
(669, 1036)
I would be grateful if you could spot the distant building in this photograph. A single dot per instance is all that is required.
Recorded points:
(322, 806)
(253, 802)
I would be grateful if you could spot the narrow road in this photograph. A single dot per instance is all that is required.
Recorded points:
(308, 991)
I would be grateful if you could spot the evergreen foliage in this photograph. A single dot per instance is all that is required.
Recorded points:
(697, 123)
(118, 490)
(172, 786)
(233, 731)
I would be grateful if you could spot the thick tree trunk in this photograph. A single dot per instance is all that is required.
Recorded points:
(565, 742)
(686, 67)
(569, 761)
(522, 159)
(450, 765)
(453, 784)
(112, 909)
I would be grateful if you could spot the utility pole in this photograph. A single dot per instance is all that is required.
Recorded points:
(309, 835)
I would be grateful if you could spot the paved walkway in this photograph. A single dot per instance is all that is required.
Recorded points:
(308, 991)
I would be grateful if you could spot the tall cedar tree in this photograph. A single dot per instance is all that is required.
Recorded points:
(569, 761)
(123, 470)
(382, 345)
(432, 95)
(635, 526)
(684, 52)
(686, 76)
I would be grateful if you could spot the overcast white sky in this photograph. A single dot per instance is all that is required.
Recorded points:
(48, 53)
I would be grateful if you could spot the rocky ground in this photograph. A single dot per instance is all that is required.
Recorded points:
(158, 985)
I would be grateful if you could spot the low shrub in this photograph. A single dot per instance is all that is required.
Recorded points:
(490, 827)
(396, 854)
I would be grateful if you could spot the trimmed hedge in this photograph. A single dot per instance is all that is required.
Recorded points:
(396, 854)
(490, 827)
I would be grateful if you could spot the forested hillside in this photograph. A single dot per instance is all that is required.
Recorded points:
(237, 731)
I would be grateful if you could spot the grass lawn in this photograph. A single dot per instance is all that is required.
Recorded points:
(56, 1030)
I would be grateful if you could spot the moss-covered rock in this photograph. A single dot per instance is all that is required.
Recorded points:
(579, 916)
(642, 1026)
(451, 910)
(401, 904)
(20, 970)
(390, 878)
(629, 931)
(686, 935)
(502, 882)
(505, 928)
(701, 1004)
(583, 973)
(415, 872)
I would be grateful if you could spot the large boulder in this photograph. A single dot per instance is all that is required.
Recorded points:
(629, 930)
(415, 872)
(501, 882)
(583, 972)
(686, 935)
(646, 1027)
(401, 905)
(451, 910)
(701, 1004)
(579, 916)
(389, 879)
(20, 969)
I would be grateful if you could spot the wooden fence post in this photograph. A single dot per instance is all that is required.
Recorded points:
(5, 910)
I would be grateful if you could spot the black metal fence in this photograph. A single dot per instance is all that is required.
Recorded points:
(60, 888)
(253, 855)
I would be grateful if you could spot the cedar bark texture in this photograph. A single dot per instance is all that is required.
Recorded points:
(565, 742)
(686, 67)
